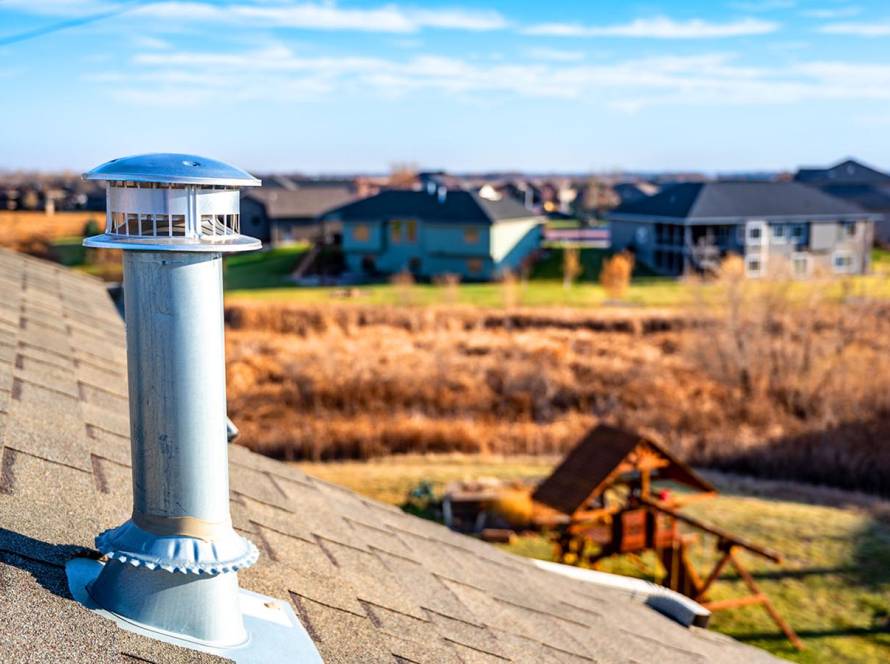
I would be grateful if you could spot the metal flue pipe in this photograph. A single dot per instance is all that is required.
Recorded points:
(172, 567)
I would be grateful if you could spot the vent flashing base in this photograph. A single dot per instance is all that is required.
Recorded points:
(274, 634)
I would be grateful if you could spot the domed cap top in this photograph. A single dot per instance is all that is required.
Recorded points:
(172, 168)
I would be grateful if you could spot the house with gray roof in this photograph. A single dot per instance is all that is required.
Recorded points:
(774, 226)
(369, 583)
(438, 230)
(284, 215)
(857, 183)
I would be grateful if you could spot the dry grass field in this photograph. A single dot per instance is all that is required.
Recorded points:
(764, 386)
(17, 227)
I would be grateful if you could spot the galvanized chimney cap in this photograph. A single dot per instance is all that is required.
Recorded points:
(172, 168)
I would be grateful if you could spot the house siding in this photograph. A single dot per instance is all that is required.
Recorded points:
(442, 248)
(507, 234)
(818, 240)
(521, 249)
(254, 221)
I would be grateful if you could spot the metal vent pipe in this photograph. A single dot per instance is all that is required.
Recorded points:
(172, 567)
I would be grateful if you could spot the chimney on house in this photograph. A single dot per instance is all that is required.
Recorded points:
(172, 567)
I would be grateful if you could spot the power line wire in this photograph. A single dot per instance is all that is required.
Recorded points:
(70, 23)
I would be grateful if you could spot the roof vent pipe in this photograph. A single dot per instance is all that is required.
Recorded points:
(174, 216)
(172, 567)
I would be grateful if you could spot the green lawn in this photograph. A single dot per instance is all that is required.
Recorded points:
(263, 276)
(262, 269)
(834, 586)
(69, 250)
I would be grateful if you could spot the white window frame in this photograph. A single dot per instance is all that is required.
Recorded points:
(834, 256)
(779, 239)
(807, 260)
(754, 274)
(764, 229)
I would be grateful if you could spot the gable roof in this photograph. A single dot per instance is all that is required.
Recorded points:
(458, 206)
(848, 171)
(873, 198)
(693, 201)
(301, 202)
(370, 582)
(590, 465)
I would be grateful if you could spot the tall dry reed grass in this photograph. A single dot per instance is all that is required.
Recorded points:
(763, 380)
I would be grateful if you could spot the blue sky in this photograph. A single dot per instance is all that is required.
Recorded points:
(466, 85)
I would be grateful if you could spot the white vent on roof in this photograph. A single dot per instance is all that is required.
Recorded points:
(489, 193)
(171, 569)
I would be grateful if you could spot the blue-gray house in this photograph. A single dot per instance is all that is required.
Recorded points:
(437, 231)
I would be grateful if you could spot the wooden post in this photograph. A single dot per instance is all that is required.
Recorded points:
(770, 609)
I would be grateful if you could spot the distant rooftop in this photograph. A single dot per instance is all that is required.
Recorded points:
(301, 201)
(458, 206)
(733, 200)
(370, 583)
(846, 172)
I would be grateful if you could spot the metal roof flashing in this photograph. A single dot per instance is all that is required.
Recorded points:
(274, 633)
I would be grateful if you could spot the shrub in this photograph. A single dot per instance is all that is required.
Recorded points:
(616, 273)
(571, 266)
(91, 228)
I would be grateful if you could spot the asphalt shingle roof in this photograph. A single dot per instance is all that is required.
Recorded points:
(370, 583)
(732, 200)
(302, 202)
(848, 171)
(458, 206)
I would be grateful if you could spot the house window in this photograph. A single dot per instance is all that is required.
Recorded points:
(780, 235)
(471, 236)
(842, 261)
(754, 266)
(800, 265)
(846, 230)
(474, 265)
(395, 231)
(798, 232)
(755, 233)
(361, 233)
(411, 230)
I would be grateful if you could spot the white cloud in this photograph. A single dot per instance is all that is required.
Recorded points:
(872, 29)
(659, 27)
(458, 19)
(833, 13)
(147, 41)
(555, 55)
(329, 16)
(278, 73)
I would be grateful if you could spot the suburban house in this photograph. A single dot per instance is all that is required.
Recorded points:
(437, 230)
(284, 215)
(853, 181)
(773, 225)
